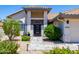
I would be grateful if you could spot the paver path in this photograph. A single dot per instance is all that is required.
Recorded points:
(37, 43)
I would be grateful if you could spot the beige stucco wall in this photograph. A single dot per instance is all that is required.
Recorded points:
(71, 30)
(21, 16)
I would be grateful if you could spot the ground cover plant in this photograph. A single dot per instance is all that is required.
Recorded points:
(61, 51)
(8, 47)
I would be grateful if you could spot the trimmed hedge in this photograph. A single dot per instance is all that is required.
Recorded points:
(8, 47)
(25, 38)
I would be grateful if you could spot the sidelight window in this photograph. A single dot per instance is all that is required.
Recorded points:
(23, 27)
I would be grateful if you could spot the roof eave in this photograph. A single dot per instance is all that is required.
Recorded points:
(48, 9)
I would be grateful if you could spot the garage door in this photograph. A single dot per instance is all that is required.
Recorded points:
(74, 30)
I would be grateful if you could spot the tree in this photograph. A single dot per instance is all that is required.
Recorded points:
(11, 28)
(53, 32)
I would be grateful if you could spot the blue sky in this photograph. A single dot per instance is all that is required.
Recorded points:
(6, 10)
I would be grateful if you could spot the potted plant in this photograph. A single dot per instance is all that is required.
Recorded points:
(28, 33)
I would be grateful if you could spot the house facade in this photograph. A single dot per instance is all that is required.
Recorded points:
(34, 19)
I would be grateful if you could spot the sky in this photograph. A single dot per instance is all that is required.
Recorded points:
(6, 10)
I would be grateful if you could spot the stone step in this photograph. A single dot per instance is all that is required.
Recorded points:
(36, 39)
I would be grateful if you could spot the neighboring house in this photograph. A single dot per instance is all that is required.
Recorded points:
(35, 18)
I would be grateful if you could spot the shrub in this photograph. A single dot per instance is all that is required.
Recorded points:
(25, 38)
(76, 52)
(8, 47)
(53, 32)
(62, 51)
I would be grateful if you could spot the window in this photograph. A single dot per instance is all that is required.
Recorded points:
(23, 27)
(67, 21)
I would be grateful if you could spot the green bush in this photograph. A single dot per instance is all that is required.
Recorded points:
(76, 52)
(25, 38)
(53, 32)
(8, 47)
(62, 51)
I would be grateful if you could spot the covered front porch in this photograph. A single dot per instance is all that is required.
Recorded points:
(36, 25)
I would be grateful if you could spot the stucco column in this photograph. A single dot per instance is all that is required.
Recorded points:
(29, 21)
(45, 21)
